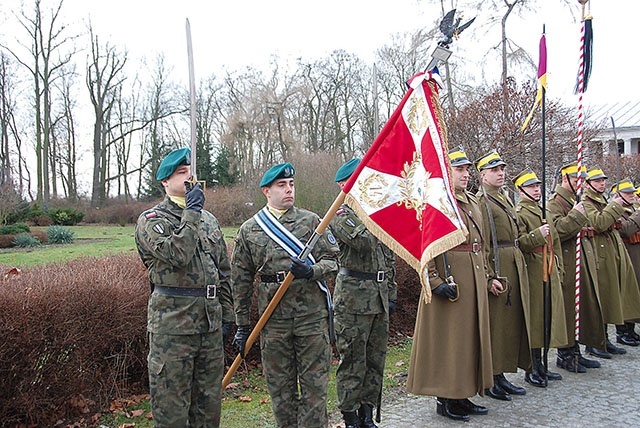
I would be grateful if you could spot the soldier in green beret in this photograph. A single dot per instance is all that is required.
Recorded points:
(614, 277)
(295, 342)
(568, 216)
(508, 306)
(535, 232)
(630, 234)
(190, 309)
(365, 297)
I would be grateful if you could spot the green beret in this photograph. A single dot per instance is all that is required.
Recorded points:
(171, 162)
(346, 170)
(282, 170)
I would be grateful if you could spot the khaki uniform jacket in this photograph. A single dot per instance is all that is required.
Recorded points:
(451, 352)
(361, 251)
(255, 253)
(568, 223)
(183, 248)
(630, 233)
(509, 311)
(531, 243)
(613, 261)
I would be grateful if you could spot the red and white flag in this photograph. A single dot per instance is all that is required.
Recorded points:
(402, 190)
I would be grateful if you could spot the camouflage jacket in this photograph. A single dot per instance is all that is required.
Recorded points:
(182, 248)
(361, 251)
(255, 253)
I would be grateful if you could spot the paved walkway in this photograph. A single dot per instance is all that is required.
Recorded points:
(605, 397)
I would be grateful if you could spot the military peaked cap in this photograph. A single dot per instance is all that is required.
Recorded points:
(171, 162)
(282, 170)
(489, 161)
(526, 178)
(346, 170)
(625, 186)
(595, 173)
(459, 158)
(571, 169)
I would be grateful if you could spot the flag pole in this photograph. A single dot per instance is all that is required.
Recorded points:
(275, 300)
(585, 44)
(545, 275)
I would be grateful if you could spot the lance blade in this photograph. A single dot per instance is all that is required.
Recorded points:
(192, 103)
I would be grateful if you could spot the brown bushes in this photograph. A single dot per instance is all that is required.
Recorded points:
(70, 330)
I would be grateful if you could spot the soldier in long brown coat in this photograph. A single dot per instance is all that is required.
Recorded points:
(451, 353)
(509, 310)
(614, 277)
(569, 218)
(630, 233)
(543, 260)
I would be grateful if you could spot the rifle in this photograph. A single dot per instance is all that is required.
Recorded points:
(494, 241)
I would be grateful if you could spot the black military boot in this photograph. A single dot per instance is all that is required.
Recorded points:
(548, 373)
(366, 416)
(350, 420)
(507, 386)
(569, 361)
(631, 331)
(586, 362)
(446, 407)
(623, 335)
(536, 376)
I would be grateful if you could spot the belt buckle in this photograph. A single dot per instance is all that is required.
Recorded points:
(380, 276)
(476, 247)
(280, 276)
(212, 291)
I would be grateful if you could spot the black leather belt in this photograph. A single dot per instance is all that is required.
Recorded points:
(209, 292)
(277, 277)
(372, 276)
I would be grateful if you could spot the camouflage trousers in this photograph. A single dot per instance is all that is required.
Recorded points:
(296, 358)
(185, 379)
(361, 340)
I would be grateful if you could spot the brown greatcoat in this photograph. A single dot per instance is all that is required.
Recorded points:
(451, 353)
(531, 243)
(615, 275)
(630, 233)
(509, 312)
(568, 222)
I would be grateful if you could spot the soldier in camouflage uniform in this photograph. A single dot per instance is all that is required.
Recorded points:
(184, 251)
(295, 342)
(365, 297)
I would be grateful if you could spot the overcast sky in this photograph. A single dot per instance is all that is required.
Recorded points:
(232, 34)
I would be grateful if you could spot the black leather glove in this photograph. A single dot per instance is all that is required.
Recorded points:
(393, 305)
(226, 331)
(193, 196)
(446, 290)
(300, 269)
(240, 339)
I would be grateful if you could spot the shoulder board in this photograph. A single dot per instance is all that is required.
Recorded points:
(472, 197)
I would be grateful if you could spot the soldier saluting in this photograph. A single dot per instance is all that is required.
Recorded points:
(183, 249)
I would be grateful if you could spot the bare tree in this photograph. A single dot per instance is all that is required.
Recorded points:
(47, 58)
(104, 78)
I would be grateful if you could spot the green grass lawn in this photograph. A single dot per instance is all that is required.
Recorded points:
(91, 241)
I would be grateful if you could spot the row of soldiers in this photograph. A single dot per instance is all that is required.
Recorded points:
(198, 293)
(486, 317)
(518, 267)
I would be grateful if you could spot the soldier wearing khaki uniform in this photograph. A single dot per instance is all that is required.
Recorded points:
(364, 297)
(184, 251)
(509, 310)
(451, 352)
(630, 234)
(569, 218)
(295, 342)
(615, 278)
(534, 238)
